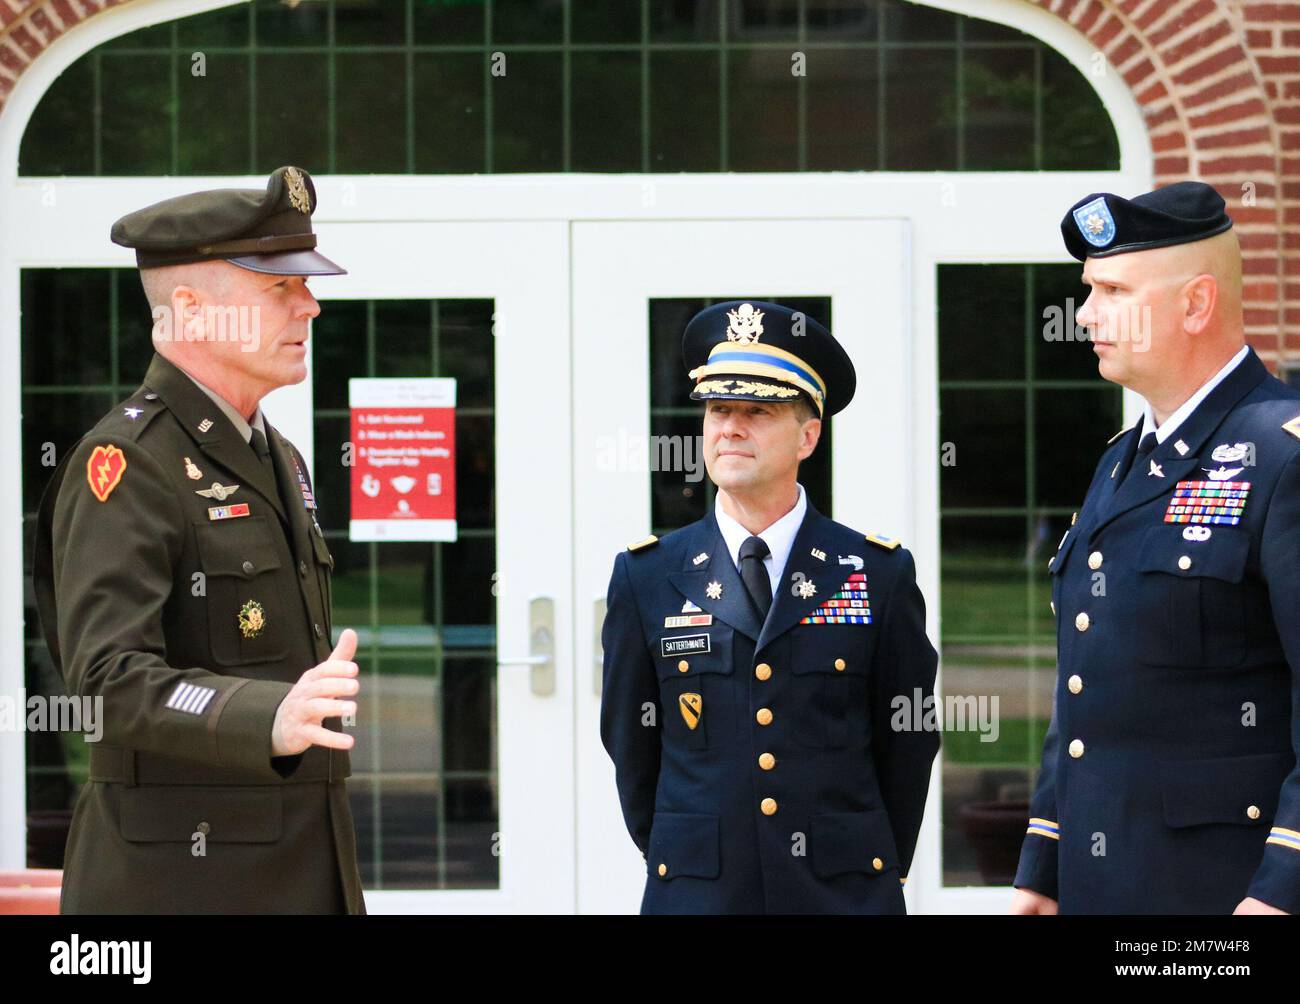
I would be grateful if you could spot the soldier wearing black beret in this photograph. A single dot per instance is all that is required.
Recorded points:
(182, 578)
(1169, 780)
(754, 661)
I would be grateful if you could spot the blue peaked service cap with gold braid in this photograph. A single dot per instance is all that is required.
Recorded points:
(753, 350)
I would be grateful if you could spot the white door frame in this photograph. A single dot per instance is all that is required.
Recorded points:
(954, 217)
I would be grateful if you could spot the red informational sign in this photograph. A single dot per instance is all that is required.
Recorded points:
(404, 458)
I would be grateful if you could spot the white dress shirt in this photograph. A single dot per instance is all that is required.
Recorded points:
(779, 537)
(1170, 424)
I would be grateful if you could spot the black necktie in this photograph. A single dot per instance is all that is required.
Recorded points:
(754, 575)
(263, 450)
(1144, 449)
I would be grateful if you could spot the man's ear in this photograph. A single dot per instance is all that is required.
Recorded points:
(1201, 295)
(187, 314)
(812, 434)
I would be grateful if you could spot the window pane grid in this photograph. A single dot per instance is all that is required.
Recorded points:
(535, 125)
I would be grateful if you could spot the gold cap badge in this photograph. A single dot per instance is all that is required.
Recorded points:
(298, 196)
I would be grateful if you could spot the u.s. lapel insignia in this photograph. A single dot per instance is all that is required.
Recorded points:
(191, 471)
(700, 558)
(1156, 471)
(805, 589)
(1181, 447)
(252, 619)
(692, 706)
(713, 590)
(205, 425)
(227, 511)
(104, 470)
(218, 491)
(819, 554)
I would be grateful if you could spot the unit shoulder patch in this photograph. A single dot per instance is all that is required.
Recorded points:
(880, 540)
(1293, 426)
(643, 543)
(104, 469)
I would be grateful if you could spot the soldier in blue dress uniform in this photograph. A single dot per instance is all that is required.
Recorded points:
(1169, 781)
(762, 664)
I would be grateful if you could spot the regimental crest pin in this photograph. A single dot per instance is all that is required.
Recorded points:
(745, 324)
(1095, 222)
(191, 471)
(692, 707)
(252, 619)
(218, 491)
(713, 590)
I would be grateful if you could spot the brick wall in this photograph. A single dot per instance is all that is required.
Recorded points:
(1218, 82)
(1219, 85)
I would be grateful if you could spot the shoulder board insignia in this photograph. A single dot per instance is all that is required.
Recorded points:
(104, 470)
(1293, 426)
(1116, 436)
(880, 540)
(643, 543)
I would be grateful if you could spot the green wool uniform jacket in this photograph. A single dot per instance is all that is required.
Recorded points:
(191, 616)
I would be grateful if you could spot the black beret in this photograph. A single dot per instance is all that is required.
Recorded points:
(752, 350)
(1103, 224)
(265, 231)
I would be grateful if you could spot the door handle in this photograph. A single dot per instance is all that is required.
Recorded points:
(540, 659)
(598, 657)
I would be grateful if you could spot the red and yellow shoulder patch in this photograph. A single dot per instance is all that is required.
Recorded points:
(104, 470)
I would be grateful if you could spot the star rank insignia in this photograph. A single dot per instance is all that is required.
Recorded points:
(805, 589)
(713, 590)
